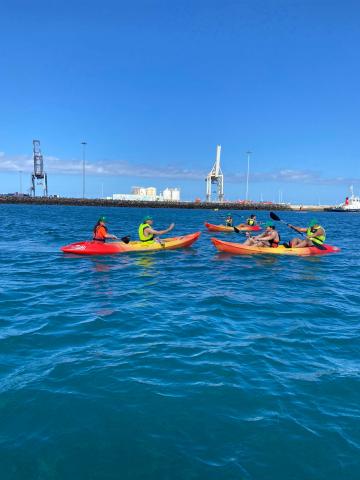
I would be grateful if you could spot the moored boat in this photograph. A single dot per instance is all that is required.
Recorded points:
(351, 204)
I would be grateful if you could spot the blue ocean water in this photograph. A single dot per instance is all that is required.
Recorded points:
(176, 365)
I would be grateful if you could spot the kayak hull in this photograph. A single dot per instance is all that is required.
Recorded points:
(111, 248)
(239, 249)
(223, 228)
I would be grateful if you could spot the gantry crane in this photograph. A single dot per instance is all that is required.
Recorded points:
(215, 176)
(38, 177)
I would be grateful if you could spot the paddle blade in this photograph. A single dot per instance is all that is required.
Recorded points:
(125, 239)
(236, 230)
(274, 217)
(318, 246)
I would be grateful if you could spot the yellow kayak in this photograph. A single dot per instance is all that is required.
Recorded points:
(240, 249)
(103, 248)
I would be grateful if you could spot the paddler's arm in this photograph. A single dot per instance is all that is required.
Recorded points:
(159, 232)
(298, 229)
(264, 237)
(109, 235)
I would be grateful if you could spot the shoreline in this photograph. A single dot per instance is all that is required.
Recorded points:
(97, 202)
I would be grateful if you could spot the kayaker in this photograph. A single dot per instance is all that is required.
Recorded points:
(229, 220)
(101, 232)
(315, 235)
(147, 233)
(269, 238)
(251, 221)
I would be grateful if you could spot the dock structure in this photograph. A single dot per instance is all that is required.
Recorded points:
(38, 177)
(215, 177)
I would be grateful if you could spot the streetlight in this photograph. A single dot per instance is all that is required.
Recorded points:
(247, 176)
(83, 166)
(20, 181)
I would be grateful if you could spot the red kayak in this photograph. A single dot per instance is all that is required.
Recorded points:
(223, 228)
(100, 248)
(240, 249)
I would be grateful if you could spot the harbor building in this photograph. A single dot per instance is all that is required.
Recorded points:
(148, 194)
(171, 195)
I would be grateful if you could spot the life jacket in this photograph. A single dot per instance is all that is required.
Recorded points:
(144, 238)
(99, 236)
(316, 240)
(250, 222)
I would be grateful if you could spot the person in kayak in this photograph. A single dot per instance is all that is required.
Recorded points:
(100, 231)
(147, 233)
(229, 220)
(315, 235)
(269, 238)
(251, 221)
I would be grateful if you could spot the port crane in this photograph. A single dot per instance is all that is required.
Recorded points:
(38, 177)
(215, 177)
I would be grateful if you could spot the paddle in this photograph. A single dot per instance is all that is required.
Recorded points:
(122, 239)
(278, 219)
(236, 230)
(125, 239)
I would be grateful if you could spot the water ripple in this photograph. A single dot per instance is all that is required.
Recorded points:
(183, 364)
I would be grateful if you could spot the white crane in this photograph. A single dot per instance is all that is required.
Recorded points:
(38, 177)
(215, 176)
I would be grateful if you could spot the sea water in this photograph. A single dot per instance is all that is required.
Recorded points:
(179, 365)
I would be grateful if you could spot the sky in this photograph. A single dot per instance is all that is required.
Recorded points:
(154, 86)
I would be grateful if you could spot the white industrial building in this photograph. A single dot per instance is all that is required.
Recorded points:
(171, 195)
(148, 194)
(131, 196)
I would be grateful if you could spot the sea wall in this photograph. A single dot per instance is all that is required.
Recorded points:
(18, 199)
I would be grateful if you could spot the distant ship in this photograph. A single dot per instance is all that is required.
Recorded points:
(351, 204)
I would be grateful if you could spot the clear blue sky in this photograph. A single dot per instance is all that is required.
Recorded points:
(153, 86)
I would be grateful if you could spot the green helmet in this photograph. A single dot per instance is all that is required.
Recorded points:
(102, 219)
(269, 224)
(313, 222)
(148, 217)
(228, 214)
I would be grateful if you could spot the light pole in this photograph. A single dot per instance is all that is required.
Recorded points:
(20, 181)
(83, 167)
(248, 153)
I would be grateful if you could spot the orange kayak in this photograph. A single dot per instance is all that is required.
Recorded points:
(110, 248)
(239, 249)
(224, 228)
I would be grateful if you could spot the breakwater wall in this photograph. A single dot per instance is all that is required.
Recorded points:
(97, 202)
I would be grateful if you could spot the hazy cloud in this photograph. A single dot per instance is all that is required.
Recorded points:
(114, 168)
(123, 168)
